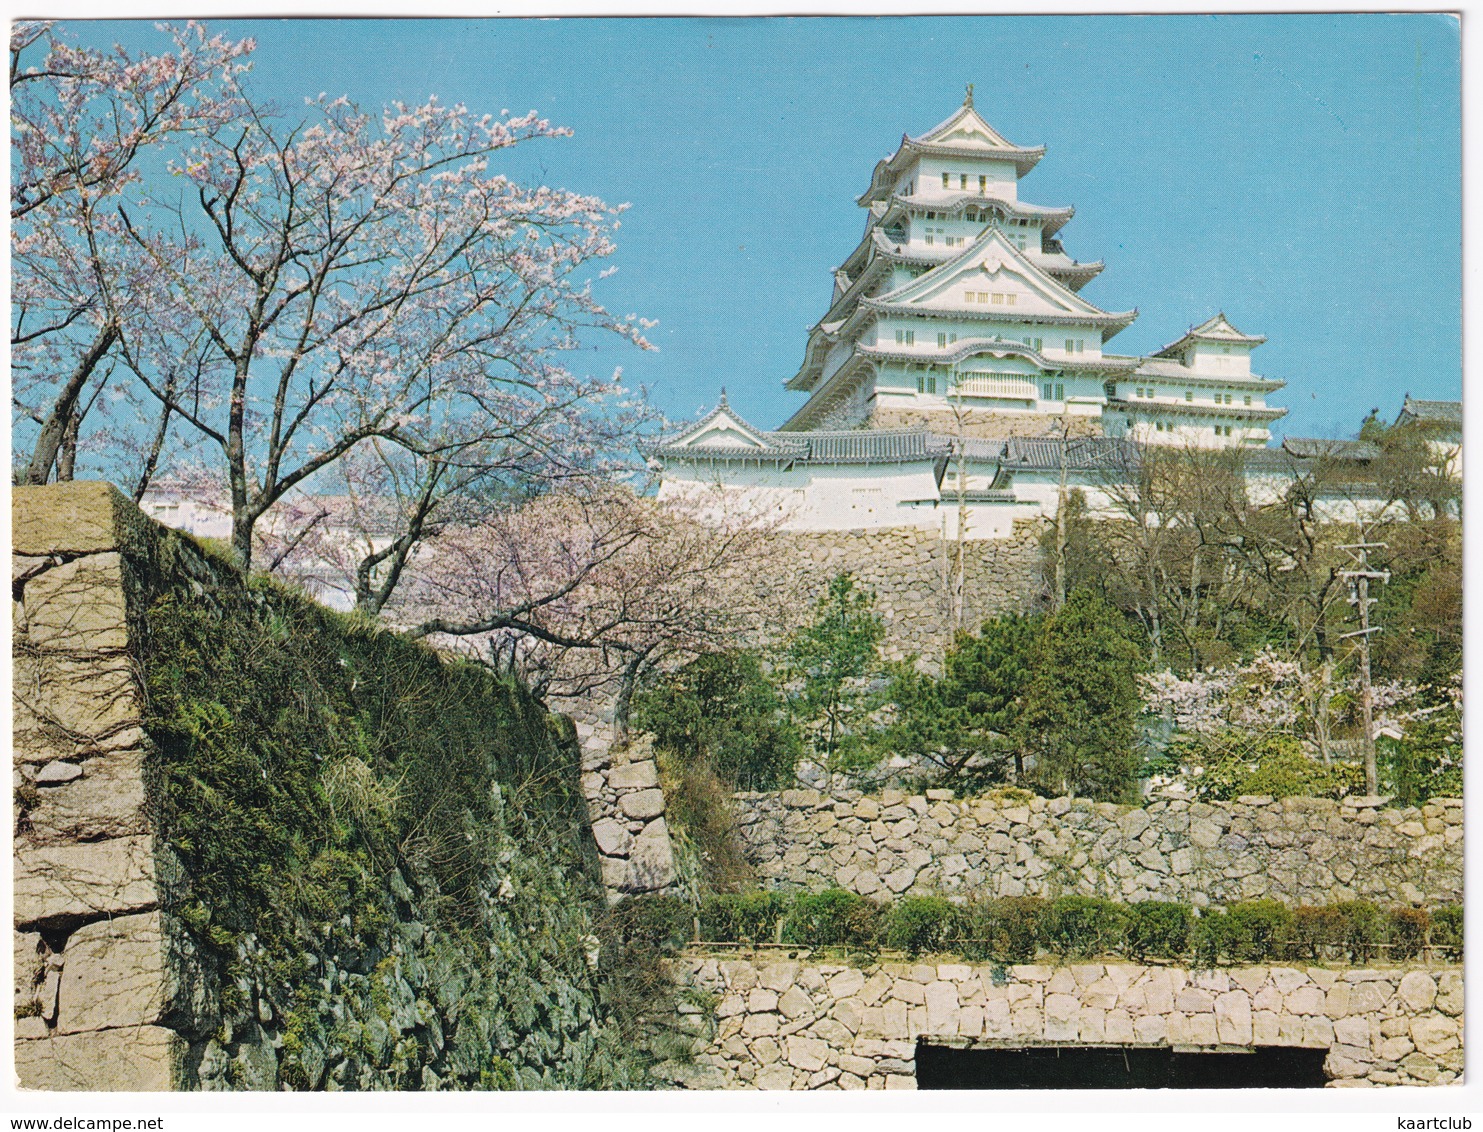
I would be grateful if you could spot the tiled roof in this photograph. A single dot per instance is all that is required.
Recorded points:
(1433, 412)
(1334, 474)
(1312, 447)
(859, 446)
(1083, 453)
(869, 446)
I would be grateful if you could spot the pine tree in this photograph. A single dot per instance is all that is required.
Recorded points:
(830, 657)
(1076, 727)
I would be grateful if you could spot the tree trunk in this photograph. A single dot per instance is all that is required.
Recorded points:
(67, 455)
(242, 527)
(54, 430)
(627, 683)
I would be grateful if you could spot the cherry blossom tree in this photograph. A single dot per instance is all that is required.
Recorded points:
(582, 590)
(347, 278)
(83, 123)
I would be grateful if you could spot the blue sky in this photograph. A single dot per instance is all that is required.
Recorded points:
(1301, 173)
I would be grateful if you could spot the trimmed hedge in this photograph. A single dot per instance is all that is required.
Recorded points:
(1018, 929)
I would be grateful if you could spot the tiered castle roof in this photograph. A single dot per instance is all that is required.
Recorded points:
(909, 265)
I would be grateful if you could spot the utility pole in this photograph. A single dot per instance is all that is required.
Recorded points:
(959, 580)
(1359, 596)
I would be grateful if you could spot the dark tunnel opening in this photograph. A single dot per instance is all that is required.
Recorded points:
(1117, 1067)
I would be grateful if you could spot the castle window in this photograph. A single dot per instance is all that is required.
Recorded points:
(962, 180)
(1247, 399)
(931, 383)
(1189, 394)
(944, 180)
(906, 337)
(983, 183)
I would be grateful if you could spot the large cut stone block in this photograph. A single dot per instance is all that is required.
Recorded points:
(64, 704)
(126, 972)
(651, 861)
(642, 804)
(55, 884)
(105, 800)
(133, 1059)
(78, 607)
(78, 517)
(30, 966)
(633, 776)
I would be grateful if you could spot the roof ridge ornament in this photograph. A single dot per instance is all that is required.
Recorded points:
(968, 97)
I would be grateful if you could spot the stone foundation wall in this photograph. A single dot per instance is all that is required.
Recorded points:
(1298, 850)
(786, 1024)
(905, 568)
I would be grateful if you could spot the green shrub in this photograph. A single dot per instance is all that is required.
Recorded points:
(1257, 930)
(1427, 763)
(1159, 928)
(1083, 926)
(1315, 932)
(1409, 929)
(1363, 930)
(722, 709)
(918, 924)
(1210, 938)
(698, 808)
(832, 918)
(742, 916)
(1447, 927)
(1007, 930)
(1233, 763)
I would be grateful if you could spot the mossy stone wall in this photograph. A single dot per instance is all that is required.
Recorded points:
(339, 862)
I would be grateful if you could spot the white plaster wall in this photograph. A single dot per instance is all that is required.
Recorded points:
(1003, 177)
(1213, 358)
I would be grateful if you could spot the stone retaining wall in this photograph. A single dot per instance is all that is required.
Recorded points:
(782, 1024)
(1298, 850)
(626, 806)
(98, 973)
(905, 569)
(111, 992)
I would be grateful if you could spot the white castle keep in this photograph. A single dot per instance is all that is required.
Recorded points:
(958, 378)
